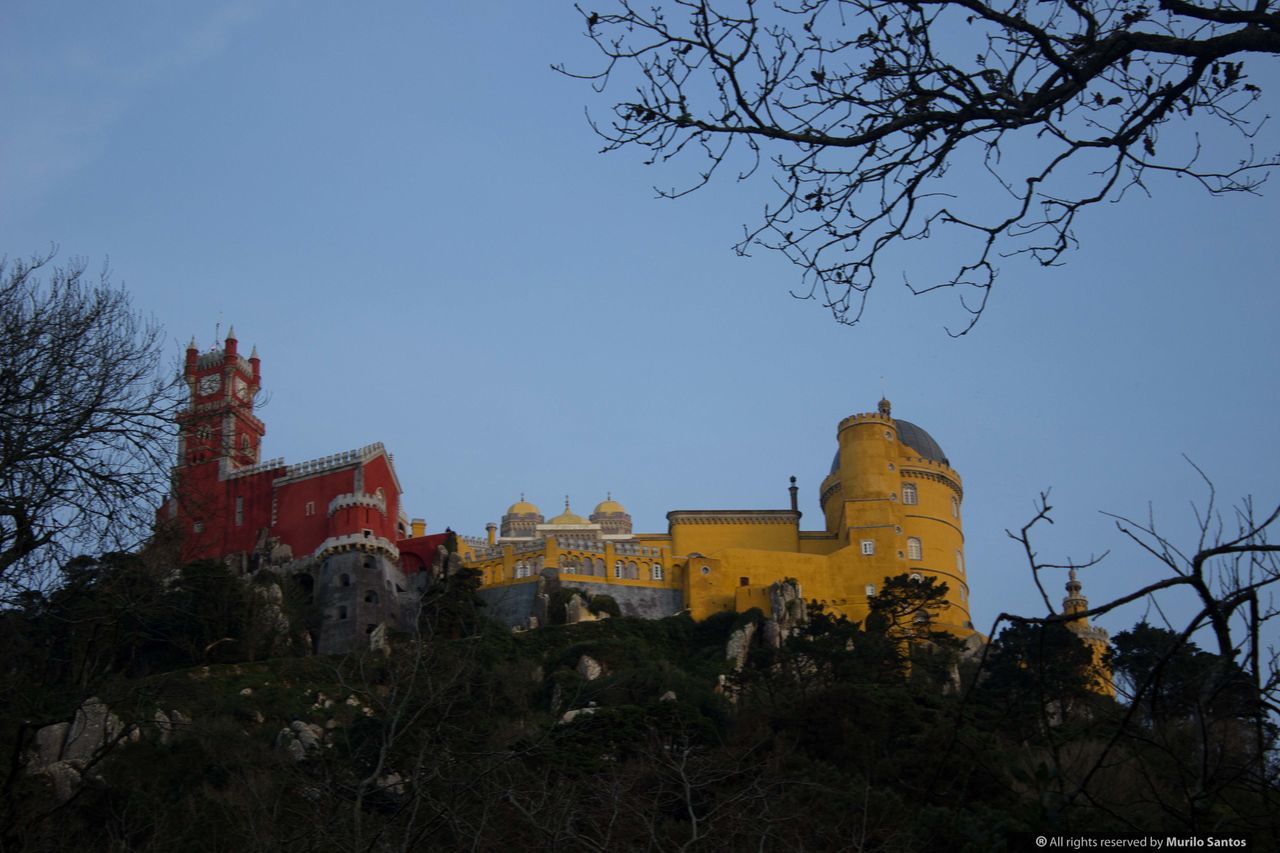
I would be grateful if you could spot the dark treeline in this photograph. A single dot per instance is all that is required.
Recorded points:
(619, 734)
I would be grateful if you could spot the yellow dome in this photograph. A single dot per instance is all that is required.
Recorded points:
(568, 516)
(609, 505)
(522, 507)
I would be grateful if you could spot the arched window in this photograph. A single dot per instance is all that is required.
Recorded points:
(342, 612)
(914, 549)
(617, 569)
(371, 596)
(909, 495)
(916, 577)
(600, 572)
(955, 506)
(657, 571)
(960, 562)
(633, 571)
(344, 579)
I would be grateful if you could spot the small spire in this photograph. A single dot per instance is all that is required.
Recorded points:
(608, 495)
(253, 353)
(192, 345)
(566, 503)
(884, 407)
(231, 333)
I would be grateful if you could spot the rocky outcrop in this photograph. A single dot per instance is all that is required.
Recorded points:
(787, 612)
(63, 751)
(577, 610)
(300, 739)
(589, 668)
(735, 651)
(379, 640)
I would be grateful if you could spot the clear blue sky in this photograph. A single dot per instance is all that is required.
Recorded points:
(403, 207)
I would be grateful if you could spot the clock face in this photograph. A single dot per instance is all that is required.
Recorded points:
(210, 384)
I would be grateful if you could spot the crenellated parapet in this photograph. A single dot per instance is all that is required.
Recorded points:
(357, 542)
(359, 499)
(333, 462)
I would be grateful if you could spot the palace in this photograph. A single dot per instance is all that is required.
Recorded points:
(333, 524)
(891, 505)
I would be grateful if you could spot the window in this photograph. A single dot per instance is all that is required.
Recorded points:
(706, 570)
(744, 581)
(369, 629)
(198, 527)
(909, 495)
(657, 571)
(371, 596)
(955, 506)
(239, 511)
(203, 433)
(310, 508)
(344, 579)
(342, 612)
(916, 577)
(914, 549)
(868, 547)
(633, 571)
(959, 562)
(368, 534)
(244, 442)
(617, 569)
(871, 590)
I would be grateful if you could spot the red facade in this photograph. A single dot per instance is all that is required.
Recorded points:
(226, 501)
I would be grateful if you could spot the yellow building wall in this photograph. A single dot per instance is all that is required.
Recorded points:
(709, 538)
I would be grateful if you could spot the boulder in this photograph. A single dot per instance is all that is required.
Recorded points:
(589, 668)
(739, 644)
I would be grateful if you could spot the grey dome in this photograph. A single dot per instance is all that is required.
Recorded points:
(914, 437)
(921, 442)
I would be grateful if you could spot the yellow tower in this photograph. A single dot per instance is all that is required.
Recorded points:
(1095, 638)
(892, 502)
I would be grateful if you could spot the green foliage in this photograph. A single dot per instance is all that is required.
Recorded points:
(602, 603)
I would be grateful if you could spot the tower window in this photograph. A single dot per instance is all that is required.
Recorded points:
(344, 579)
(239, 511)
(310, 508)
(955, 507)
(909, 495)
(371, 597)
(959, 562)
(868, 547)
(342, 612)
(914, 549)
(744, 581)
(244, 443)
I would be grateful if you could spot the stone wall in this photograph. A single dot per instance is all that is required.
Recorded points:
(513, 604)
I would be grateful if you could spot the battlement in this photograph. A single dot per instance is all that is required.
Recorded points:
(215, 357)
(333, 461)
(357, 542)
(258, 468)
(374, 501)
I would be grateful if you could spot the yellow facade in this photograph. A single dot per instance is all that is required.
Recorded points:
(890, 504)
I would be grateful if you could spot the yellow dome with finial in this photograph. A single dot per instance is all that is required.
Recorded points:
(609, 505)
(568, 516)
(522, 507)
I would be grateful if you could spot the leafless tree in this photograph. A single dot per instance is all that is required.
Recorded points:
(1224, 739)
(864, 110)
(86, 417)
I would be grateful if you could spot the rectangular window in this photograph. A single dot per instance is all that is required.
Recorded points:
(239, 511)
(744, 581)
(914, 549)
(657, 572)
(868, 547)
(871, 590)
(310, 508)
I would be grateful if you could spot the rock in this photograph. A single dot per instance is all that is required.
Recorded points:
(739, 644)
(248, 691)
(331, 724)
(65, 779)
(570, 716)
(788, 612)
(589, 668)
(392, 783)
(669, 696)
(378, 641)
(257, 717)
(353, 700)
(576, 610)
(296, 750)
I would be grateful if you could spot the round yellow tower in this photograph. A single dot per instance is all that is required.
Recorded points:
(893, 498)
